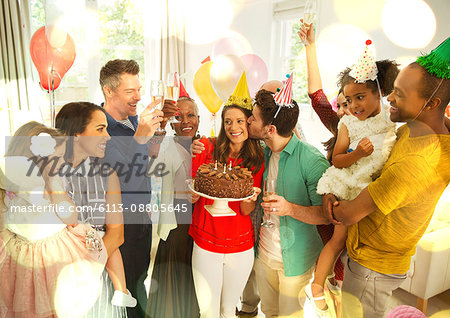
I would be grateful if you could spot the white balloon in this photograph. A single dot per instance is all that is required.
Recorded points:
(225, 73)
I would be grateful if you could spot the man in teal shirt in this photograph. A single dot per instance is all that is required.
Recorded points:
(288, 250)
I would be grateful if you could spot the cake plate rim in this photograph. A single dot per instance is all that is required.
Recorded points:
(220, 205)
(190, 182)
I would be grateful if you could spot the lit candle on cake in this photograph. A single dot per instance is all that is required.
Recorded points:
(215, 168)
(229, 168)
(225, 169)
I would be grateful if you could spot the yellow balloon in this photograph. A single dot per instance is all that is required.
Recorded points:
(204, 89)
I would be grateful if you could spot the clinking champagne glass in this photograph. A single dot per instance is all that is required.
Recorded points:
(270, 188)
(157, 92)
(173, 92)
(309, 14)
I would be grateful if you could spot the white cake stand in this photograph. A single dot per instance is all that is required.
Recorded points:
(220, 205)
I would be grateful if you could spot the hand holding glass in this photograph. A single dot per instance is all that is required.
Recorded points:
(270, 188)
(309, 14)
(172, 92)
(157, 92)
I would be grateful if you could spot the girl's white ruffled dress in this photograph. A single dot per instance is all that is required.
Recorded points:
(347, 183)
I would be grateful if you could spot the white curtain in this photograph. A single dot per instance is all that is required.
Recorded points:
(16, 78)
(165, 48)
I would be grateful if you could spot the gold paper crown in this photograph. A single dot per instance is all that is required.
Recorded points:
(241, 95)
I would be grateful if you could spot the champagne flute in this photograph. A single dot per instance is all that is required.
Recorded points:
(157, 92)
(270, 188)
(309, 14)
(172, 92)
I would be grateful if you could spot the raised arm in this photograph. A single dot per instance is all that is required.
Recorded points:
(319, 101)
(312, 66)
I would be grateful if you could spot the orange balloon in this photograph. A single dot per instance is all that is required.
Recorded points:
(204, 89)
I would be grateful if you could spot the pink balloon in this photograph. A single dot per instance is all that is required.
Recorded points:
(235, 44)
(256, 72)
(405, 311)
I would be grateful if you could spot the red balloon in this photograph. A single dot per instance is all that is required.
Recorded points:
(49, 60)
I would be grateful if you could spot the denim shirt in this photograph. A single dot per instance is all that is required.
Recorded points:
(300, 168)
(123, 149)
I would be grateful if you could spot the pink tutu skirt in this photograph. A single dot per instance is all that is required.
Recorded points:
(38, 276)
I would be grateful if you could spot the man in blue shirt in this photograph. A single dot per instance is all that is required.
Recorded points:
(127, 152)
(288, 250)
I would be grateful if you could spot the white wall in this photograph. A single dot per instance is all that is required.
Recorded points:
(365, 17)
(252, 19)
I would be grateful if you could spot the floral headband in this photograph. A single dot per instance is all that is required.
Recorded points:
(42, 146)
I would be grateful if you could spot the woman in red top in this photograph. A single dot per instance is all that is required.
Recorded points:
(223, 246)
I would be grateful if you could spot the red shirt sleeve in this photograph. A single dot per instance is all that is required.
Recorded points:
(323, 109)
(204, 157)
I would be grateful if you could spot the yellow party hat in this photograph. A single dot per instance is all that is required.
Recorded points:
(241, 95)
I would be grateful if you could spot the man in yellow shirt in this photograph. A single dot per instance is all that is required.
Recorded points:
(390, 216)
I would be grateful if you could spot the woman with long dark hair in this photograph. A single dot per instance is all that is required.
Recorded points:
(97, 190)
(223, 252)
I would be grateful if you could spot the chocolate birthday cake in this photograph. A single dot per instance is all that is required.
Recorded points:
(224, 182)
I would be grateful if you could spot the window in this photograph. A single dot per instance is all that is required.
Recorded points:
(102, 30)
(288, 56)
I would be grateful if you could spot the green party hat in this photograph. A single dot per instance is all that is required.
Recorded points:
(437, 63)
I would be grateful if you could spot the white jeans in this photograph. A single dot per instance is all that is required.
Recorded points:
(219, 280)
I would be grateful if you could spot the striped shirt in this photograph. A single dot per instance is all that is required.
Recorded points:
(88, 192)
(87, 189)
(128, 123)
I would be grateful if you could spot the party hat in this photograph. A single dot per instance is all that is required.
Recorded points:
(283, 98)
(366, 68)
(183, 92)
(437, 63)
(207, 59)
(241, 94)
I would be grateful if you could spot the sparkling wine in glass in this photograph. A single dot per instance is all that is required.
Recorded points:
(270, 188)
(172, 92)
(157, 92)
(309, 14)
